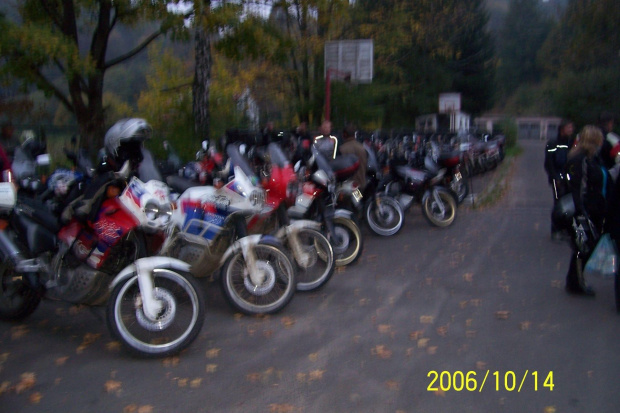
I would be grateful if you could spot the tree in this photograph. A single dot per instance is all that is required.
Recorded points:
(524, 30)
(60, 47)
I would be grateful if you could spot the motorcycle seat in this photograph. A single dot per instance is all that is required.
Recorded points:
(344, 166)
(39, 212)
(180, 184)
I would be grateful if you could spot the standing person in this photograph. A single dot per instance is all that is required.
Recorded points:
(326, 142)
(589, 183)
(556, 156)
(301, 143)
(351, 146)
(610, 139)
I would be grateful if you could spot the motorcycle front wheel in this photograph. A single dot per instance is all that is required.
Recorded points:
(347, 241)
(385, 216)
(17, 299)
(275, 291)
(441, 212)
(314, 261)
(177, 324)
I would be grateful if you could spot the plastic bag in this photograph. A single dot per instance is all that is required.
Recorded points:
(604, 259)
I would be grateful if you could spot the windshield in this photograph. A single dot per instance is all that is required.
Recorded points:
(277, 155)
(238, 160)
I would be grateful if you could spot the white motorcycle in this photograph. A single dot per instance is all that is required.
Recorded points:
(154, 306)
(210, 233)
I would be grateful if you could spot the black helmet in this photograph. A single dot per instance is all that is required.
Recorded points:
(123, 141)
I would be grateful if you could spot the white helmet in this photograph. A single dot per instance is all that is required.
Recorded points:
(123, 141)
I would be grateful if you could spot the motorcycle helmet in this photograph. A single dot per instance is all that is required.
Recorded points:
(123, 141)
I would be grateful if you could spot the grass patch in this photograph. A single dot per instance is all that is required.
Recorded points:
(499, 183)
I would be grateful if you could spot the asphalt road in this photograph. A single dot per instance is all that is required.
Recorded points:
(482, 298)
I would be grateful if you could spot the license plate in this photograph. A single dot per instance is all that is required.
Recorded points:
(357, 194)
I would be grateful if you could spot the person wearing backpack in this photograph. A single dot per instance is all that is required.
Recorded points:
(590, 185)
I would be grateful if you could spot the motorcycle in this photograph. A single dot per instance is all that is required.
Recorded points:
(101, 257)
(383, 213)
(210, 232)
(454, 179)
(313, 254)
(317, 201)
(409, 185)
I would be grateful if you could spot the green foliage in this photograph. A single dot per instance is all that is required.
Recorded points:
(508, 127)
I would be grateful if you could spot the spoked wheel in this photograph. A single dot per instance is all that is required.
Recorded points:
(314, 260)
(347, 241)
(17, 299)
(384, 216)
(176, 325)
(440, 211)
(274, 291)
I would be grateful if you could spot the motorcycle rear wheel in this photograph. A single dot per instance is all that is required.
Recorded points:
(273, 294)
(388, 222)
(432, 211)
(347, 242)
(17, 299)
(177, 324)
(318, 267)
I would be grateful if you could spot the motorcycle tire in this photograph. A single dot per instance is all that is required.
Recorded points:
(432, 211)
(388, 222)
(176, 326)
(18, 300)
(347, 241)
(316, 267)
(273, 294)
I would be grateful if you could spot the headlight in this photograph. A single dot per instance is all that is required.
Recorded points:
(257, 198)
(158, 214)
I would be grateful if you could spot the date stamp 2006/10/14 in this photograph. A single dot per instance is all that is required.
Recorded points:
(474, 381)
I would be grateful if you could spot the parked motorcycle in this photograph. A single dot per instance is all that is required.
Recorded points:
(154, 307)
(383, 213)
(410, 185)
(312, 252)
(453, 179)
(210, 232)
(317, 201)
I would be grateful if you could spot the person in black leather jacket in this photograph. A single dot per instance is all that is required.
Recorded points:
(590, 185)
(556, 156)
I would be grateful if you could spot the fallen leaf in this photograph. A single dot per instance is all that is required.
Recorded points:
(463, 304)
(440, 393)
(112, 386)
(468, 277)
(282, 408)
(384, 328)
(525, 325)
(316, 375)
(471, 333)
(481, 365)
(392, 384)
(550, 409)
(182, 383)
(431, 350)
(252, 377)
(27, 381)
(18, 332)
(288, 322)
(301, 377)
(213, 353)
(113, 346)
(423, 342)
(416, 335)
(4, 387)
(381, 351)
(147, 408)
(35, 397)
(171, 361)
(502, 315)
(442, 331)
(211, 368)
(426, 319)
(313, 357)
(61, 360)
(195, 383)
(468, 322)
(475, 302)
(130, 408)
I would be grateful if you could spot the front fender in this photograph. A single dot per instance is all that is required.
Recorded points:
(149, 264)
(429, 192)
(343, 213)
(297, 225)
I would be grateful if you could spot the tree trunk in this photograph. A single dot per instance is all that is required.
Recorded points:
(202, 77)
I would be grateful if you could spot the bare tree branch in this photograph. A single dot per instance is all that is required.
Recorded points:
(135, 51)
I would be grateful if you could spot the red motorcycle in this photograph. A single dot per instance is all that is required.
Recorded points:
(312, 252)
